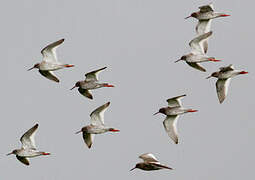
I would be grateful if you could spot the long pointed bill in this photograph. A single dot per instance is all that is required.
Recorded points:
(114, 130)
(177, 60)
(9, 154)
(187, 17)
(132, 169)
(214, 60)
(78, 132)
(243, 72)
(224, 15)
(108, 85)
(155, 113)
(192, 110)
(31, 68)
(73, 88)
(208, 77)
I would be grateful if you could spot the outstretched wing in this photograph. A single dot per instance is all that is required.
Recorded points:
(222, 88)
(196, 66)
(175, 101)
(93, 75)
(227, 68)
(88, 138)
(24, 160)
(197, 47)
(206, 8)
(49, 52)
(148, 157)
(85, 93)
(49, 75)
(170, 124)
(28, 139)
(97, 116)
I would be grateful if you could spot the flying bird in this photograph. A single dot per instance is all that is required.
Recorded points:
(97, 125)
(224, 76)
(50, 61)
(172, 112)
(90, 82)
(149, 163)
(204, 16)
(28, 149)
(197, 54)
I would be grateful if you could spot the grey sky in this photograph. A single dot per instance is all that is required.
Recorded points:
(138, 40)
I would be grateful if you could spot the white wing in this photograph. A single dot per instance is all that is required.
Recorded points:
(97, 116)
(196, 44)
(93, 75)
(170, 126)
(148, 157)
(175, 101)
(88, 138)
(222, 88)
(49, 52)
(203, 26)
(28, 139)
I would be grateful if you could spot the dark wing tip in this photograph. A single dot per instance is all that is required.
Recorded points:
(90, 97)
(26, 163)
(89, 145)
(108, 103)
(61, 40)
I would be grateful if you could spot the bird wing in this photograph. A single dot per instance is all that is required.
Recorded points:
(28, 139)
(49, 52)
(49, 75)
(197, 47)
(222, 88)
(206, 8)
(148, 157)
(88, 138)
(175, 101)
(97, 116)
(162, 166)
(85, 93)
(227, 68)
(196, 66)
(93, 75)
(170, 126)
(24, 160)
(203, 26)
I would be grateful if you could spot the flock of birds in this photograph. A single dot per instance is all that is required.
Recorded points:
(199, 47)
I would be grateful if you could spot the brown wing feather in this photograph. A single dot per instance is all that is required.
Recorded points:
(49, 75)
(85, 93)
(24, 160)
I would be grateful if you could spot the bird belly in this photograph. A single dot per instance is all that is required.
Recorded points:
(45, 66)
(96, 130)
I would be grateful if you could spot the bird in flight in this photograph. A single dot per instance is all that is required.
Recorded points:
(224, 76)
(172, 112)
(97, 125)
(149, 163)
(28, 149)
(90, 82)
(50, 61)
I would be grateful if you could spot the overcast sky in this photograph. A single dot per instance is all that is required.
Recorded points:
(138, 40)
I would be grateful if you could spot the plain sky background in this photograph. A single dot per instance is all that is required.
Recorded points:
(138, 40)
